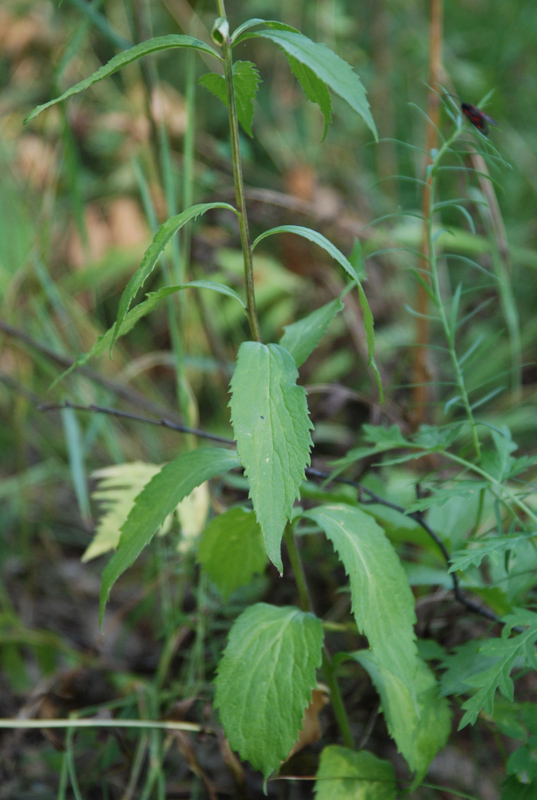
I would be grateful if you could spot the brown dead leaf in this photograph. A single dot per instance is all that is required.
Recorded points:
(168, 107)
(188, 752)
(311, 725)
(127, 224)
(21, 33)
(301, 182)
(36, 160)
(134, 125)
(119, 223)
(232, 762)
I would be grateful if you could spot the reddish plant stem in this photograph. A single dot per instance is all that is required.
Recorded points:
(421, 376)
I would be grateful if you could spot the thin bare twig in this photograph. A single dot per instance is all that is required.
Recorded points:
(130, 395)
(311, 472)
(114, 412)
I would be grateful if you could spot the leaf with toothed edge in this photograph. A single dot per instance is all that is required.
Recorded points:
(137, 313)
(420, 729)
(265, 681)
(325, 65)
(159, 498)
(345, 774)
(163, 236)
(124, 59)
(270, 419)
(382, 601)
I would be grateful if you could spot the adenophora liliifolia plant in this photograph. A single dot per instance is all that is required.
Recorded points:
(269, 668)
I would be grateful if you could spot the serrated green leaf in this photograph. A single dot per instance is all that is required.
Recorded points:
(231, 550)
(521, 465)
(506, 653)
(431, 650)
(504, 447)
(125, 58)
(384, 437)
(515, 572)
(163, 236)
(465, 660)
(302, 337)
(326, 65)
(215, 84)
(158, 499)
(474, 555)
(344, 774)
(265, 681)
(419, 729)
(382, 602)
(245, 82)
(498, 462)
(270, 418)
(314, 89)
(402, 459)
(104, 341)
(460, 490)
(430, 437)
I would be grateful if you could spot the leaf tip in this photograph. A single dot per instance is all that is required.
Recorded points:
(277, 562)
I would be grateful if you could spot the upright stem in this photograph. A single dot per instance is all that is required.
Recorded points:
(448, 332)
(337, 700)
(246, 244)
(328, 667)
(298, 569)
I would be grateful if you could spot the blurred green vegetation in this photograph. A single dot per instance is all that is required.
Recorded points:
(82, 190)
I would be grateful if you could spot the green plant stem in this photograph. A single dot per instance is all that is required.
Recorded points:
(328, 667)
(340, 711)
(298, 569)
(479, 514)
(246, 243)
(449, 334)
(498, 485)
(494, 482)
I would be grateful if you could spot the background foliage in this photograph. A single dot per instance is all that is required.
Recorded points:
(83, 191)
